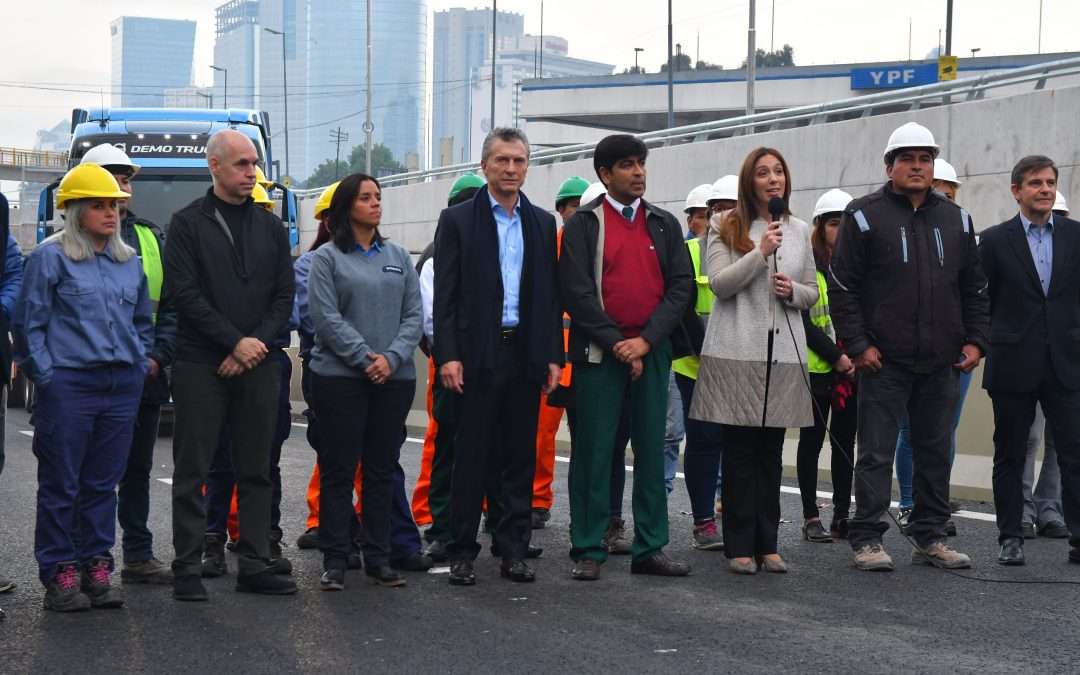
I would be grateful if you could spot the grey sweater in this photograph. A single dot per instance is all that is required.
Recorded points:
(364, 304)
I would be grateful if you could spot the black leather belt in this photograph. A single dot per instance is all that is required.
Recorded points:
(508, 335)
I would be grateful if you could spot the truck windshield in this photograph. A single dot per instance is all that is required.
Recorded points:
(158, 197)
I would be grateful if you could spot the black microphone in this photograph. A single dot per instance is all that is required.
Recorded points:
(777, 207)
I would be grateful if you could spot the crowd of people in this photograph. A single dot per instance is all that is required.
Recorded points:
(862, 325)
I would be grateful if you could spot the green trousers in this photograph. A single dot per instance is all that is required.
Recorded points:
(600, 393)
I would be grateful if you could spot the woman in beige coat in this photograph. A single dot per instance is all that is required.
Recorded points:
(760, 288)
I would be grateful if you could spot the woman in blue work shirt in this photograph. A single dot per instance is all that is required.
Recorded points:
(364, 299)
(83, 329)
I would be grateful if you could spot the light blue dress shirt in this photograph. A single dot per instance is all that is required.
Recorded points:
(511, 258)
(1040, 239)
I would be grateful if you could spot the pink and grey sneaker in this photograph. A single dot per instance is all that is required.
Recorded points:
(62, 594)
(96, 585)
(707, 537)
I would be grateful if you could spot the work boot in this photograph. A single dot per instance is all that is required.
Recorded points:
(213, 560)
(309, 539)
(189, 588)
(151, 571)
(615, 539)
(63, 594)
(96, 585)
(873, 558)
(267, 582)
(938, 554)
(413, 562)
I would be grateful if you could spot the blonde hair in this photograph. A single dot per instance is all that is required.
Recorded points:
(76, 243)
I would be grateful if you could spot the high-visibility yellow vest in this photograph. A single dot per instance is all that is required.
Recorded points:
(820, 317)
(688, 365)
(150, 253)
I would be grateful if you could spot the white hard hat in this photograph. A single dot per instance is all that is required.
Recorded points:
(945, 171)
(727, 187)
(107, 155)
(1060, 204)
(699, 197)
(833, 201)
(592, 192)
(911, 135)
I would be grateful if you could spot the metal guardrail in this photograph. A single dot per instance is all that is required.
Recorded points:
(913, 98)
(33, 159)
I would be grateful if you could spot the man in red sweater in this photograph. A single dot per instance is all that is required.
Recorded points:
(626, 279)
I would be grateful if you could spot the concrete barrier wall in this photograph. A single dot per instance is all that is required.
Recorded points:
(982, 139)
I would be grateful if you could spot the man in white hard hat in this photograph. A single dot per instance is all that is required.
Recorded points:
(1035, 357)
(133, 495)
(1061, 207)
(898, 251)
(725, 194)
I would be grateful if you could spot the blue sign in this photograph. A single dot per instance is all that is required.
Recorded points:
(894, 77)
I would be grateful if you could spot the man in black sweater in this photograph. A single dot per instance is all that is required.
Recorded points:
(229, 276)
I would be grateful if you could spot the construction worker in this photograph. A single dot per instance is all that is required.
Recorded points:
(133, 496)
(946, 183)
(567, 200)
(701, 464)
(431, 496)
(1061, 206)
(10, 283)
(831, 375)
(84, 331)
(725, 194)
(262, 197)
(908, 342)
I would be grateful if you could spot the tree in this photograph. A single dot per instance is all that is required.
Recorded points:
(785, 56)
(382, 164)
(705, 65)
(682, 62)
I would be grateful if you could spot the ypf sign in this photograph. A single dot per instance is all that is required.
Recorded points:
(894, 77)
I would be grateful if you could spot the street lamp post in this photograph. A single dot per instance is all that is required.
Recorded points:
(209, 98)
(494, 41)
(225, 72)
(285, 93)
(670, 74)
(637, 50)
(368, 126)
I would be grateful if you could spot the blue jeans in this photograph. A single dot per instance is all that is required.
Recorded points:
(674, 432)
(704, 447)
(82, 433)
(904, 469)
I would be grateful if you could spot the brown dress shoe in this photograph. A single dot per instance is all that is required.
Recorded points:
(586, 570)
(660, 565)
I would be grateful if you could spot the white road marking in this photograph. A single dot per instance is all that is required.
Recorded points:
(27, 433)
(167, 481)
(439, 570)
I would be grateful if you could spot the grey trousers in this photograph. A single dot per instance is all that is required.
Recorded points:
(1044, 504)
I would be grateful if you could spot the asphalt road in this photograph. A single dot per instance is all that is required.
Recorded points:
(824, 616)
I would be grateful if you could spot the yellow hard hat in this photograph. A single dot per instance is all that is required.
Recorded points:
(261, 179)
(262, 198)
(88, 181)
(325, 198)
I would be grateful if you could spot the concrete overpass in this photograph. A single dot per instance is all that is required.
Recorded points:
(982, 136)
(32, 166)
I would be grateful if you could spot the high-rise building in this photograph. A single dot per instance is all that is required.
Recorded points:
(325, 55)
(518, 59)
(236, 40)
(462, 42)
(148, 57)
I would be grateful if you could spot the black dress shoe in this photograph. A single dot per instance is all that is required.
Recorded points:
(384, 575)
(1074, 554)
(532, 553)
(1012, 552)
(1055, 529)
(281, 566)
(189, 588)
(660, 565)
(437, 551)
(265, 583)
(461, 573)
(517, 570)
(1028, 529)
(415, 562)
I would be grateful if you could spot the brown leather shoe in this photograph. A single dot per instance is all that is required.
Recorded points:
(660, 565)
(586, 570)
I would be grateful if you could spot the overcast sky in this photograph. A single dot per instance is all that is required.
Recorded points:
(50, 43)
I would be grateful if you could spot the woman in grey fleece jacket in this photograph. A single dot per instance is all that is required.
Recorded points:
(364, 298)
(753, 303)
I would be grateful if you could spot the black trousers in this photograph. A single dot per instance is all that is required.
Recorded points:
(133, 495)
(359, 421)
(1014, 413)
(752, 465)
(844, 425)
(495, 449)
(205, 402)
